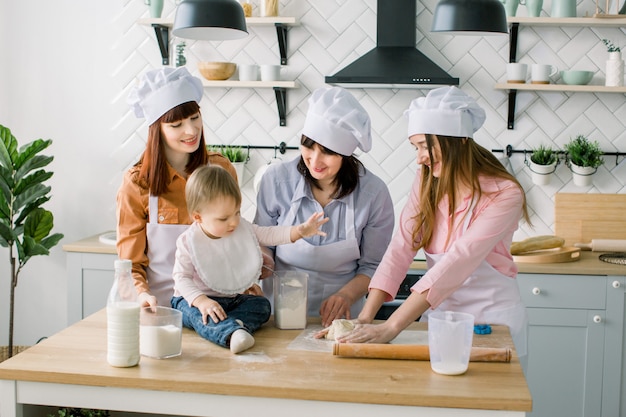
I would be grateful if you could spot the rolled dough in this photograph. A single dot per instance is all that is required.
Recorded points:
(338, 328)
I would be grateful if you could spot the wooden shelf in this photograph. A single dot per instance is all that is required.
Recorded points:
(280, 89)
(561, 87)
(249, 84)
(569, 21)
(251, 21)
(162, 28)
(515, 22)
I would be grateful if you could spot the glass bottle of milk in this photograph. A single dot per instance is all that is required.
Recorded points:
(123, 318)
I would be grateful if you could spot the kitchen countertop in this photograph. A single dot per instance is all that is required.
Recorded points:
(75, 358)
(588, 264)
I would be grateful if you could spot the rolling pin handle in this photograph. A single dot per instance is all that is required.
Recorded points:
(584, 246)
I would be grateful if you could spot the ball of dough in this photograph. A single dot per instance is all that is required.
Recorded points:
(339, 328)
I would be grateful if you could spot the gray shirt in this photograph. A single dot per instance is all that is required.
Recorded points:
(282, 185)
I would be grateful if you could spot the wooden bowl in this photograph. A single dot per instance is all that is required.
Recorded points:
(217, 70)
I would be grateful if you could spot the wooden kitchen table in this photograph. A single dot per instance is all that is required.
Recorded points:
(70, 369)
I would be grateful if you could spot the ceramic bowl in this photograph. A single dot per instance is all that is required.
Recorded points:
(575, 77)
(217, 70)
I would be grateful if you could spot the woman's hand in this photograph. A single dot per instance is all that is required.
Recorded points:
(209, 308)
(370, 333)
(337, 306)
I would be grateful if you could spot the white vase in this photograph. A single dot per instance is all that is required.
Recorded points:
(541, 174)
(582, 176)
(239, 168)
(614, 70)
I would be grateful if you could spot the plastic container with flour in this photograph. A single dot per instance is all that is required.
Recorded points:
(290, 299)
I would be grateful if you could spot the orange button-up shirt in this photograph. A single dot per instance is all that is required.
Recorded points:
(133, 215)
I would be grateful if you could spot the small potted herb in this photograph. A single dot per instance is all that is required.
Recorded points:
(543, 162)
(235, 155)
(584, 157)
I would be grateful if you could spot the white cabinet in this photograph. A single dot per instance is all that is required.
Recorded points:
(90, 269)
(575, 339)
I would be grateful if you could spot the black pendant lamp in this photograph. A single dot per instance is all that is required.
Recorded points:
(210, 20)
(470, 17)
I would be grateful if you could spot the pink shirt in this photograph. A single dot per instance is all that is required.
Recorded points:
(494, 220)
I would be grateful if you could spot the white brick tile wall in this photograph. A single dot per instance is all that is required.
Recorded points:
(332, 33)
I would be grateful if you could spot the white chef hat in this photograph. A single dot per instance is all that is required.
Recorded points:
(337, 121)
(160, 90)
(446, 111)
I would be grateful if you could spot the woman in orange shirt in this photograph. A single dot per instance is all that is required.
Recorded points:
(151, 208)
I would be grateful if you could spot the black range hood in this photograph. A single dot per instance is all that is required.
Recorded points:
(394, 60)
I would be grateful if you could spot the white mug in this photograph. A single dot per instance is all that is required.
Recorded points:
(248, 72)
(270, 72)
(541, 73)
(516, 72)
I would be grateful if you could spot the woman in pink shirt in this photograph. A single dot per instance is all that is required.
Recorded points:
(463, 209)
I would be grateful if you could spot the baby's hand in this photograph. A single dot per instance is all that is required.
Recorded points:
(312, 225)
(209, 308)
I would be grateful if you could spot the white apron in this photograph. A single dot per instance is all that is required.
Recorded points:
(161, 253)
(330, 266)
(492, 297)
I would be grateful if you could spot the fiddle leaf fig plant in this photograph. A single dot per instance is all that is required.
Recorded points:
(25, 225)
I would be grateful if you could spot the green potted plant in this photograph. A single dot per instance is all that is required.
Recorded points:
(584, 157)
(25, 225)
(235, 155)
(543, 162)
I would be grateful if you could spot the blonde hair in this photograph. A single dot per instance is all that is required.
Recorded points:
(462, 161)
(207, 184)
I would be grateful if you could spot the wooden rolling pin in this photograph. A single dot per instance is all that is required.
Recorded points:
(414, 352)
(604, 245)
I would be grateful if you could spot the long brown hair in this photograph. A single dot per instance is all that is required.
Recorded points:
(153, 165)
(463, 161)
(347, 178)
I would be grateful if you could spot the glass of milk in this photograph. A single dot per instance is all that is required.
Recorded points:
(450, 336)
(290, 298)
(160, 332)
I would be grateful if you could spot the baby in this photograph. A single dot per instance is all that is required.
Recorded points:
(218, 261)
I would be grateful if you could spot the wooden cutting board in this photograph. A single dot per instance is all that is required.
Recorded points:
(578, 218)
(563, 254)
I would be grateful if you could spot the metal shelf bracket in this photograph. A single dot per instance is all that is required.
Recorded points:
(512, 58)
(281, 33)
(281, 103)
(163, 39)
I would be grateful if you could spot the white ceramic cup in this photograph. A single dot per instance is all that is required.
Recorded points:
(450, 336)
(248, 72)
(516, 72)
(541, 73)
(270, 72)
